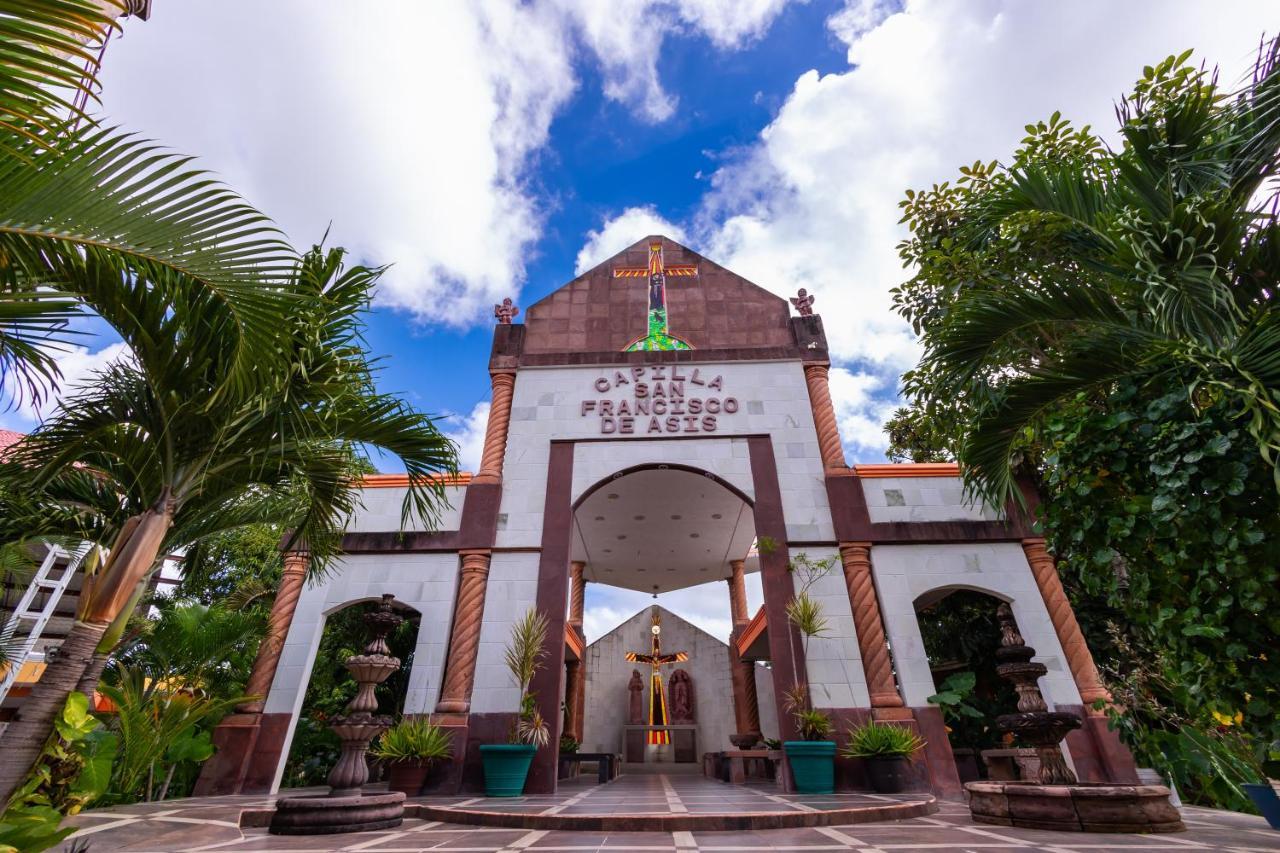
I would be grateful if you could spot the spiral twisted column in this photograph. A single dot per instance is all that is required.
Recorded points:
(574, 695)
(495, 433)
(1070, 637)
(876, 665)
(577, 592)
(738, 593)
(742, 674)
(268, 658)
(824, 415)
(464, 643)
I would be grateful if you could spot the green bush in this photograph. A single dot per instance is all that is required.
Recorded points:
(413, 739)
(878, 740)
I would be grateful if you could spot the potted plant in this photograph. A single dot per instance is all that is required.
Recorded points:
(886, 750)
(410, 749)
(812, 758)
(506, 765)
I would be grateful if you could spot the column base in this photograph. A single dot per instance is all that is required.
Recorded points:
(249, 749)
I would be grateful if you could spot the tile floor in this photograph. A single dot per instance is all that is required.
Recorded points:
(212, 825)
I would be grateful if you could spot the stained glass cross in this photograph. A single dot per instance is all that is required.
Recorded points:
(658, 336)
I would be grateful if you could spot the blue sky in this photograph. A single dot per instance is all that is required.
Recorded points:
(492, 148)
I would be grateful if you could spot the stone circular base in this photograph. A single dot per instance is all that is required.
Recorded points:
(323, 815)
(1085, 807)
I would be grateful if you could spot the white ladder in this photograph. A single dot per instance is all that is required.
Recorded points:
(32, 622)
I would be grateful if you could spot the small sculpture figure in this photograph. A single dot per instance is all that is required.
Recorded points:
(681, 690)
(505, 311)
(635, 709)
(803, 303)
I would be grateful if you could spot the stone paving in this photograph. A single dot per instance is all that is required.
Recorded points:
(213, 824)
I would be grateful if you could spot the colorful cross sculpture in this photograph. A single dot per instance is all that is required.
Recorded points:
(657, 699)
(658, 336)
(505, 311)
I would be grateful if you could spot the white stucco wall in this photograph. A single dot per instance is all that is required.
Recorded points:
(380, 510)
(905, 572)
(424, 582)
(833, 661)
(922, 499)
(772, 399)
(512, 590)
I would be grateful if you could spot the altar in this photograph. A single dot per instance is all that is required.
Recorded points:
(681, 746)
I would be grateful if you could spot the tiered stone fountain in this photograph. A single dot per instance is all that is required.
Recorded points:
(1057, 800)
(346, 808)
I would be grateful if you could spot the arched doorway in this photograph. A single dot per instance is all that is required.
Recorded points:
(314, 748)
(961, 634)
(662, 542)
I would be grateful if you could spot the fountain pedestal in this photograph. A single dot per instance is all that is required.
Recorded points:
(1057, 800)
(345, 808)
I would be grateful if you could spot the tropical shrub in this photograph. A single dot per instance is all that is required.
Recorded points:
(74, 770)
(880, 740)
(415, 739)
(158, 724)
(1099, 326)
(524, 656)
(805, 614)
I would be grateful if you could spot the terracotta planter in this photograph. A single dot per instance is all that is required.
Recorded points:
(889, 774)
(408, 776)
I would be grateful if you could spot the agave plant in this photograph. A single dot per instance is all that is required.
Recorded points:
(881, 740)
(414, 739)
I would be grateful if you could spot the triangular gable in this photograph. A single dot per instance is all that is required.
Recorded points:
(609, 307)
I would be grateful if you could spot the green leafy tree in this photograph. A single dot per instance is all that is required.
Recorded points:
(1099, 324)
(187, 453)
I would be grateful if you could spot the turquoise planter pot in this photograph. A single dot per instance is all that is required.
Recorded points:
(506, 766)
(813, 765)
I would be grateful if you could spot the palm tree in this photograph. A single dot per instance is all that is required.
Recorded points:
(185, 449)
(1163, 263)
(76, 194)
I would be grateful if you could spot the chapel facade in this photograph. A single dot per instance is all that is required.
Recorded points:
(658, 423)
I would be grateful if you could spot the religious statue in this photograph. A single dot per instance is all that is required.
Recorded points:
(635, 712)
(505, 311)
(658, 717)
(681, 690)
(803, 303)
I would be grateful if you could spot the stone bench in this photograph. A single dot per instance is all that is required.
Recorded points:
(606, 763)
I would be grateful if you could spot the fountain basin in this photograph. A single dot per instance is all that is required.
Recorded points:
(325, 815)
(1082, 807)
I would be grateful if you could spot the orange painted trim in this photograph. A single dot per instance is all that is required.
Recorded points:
(573, 643)
(400, 481)
(908, 469)
(756, 627)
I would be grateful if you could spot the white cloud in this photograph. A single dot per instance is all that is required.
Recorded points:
(936, 85)
(626, 38)
(619, 232)
(409, 127)
(931, 85)
(468, 432)
(77, 365)
(859, 413)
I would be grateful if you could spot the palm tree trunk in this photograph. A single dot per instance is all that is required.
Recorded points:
(24, 739)
(93, 673)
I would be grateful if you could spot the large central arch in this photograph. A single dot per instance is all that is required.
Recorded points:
(763, 501)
